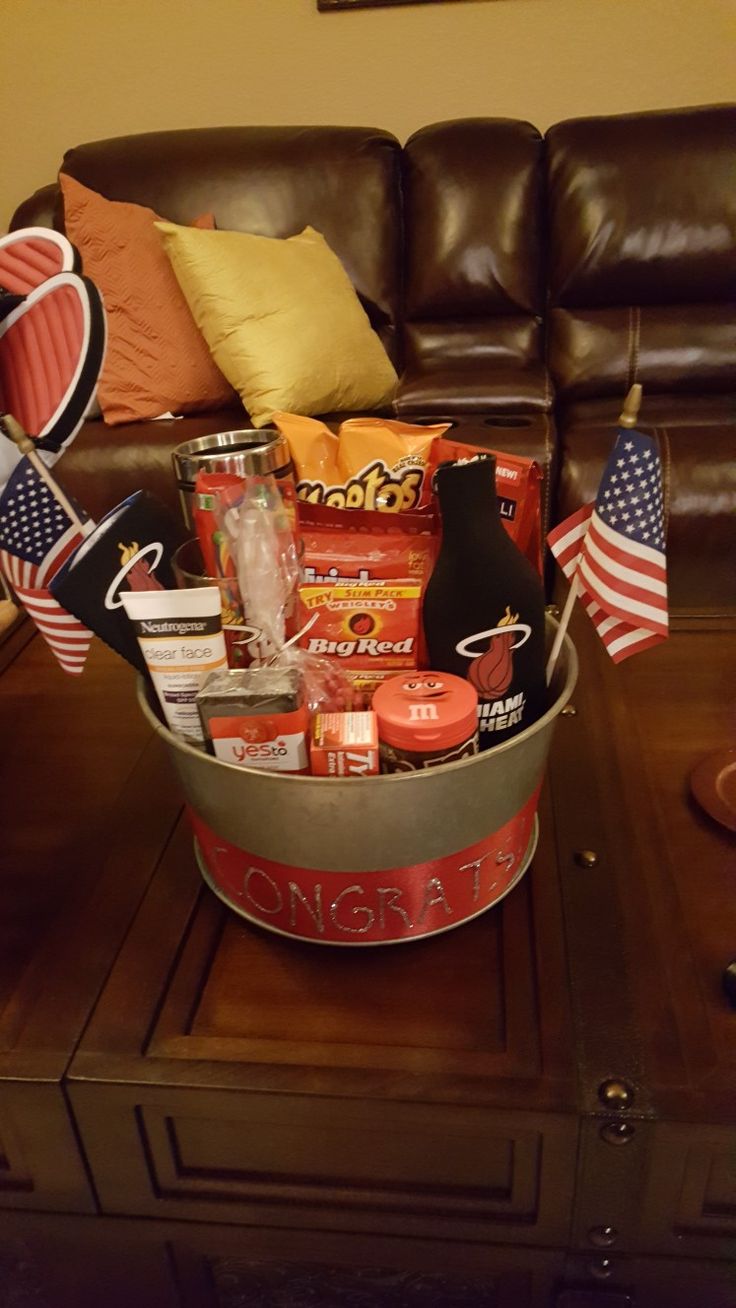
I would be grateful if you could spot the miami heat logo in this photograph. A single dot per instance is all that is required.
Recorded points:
(492, 669)
(134, 572)
(361, 624)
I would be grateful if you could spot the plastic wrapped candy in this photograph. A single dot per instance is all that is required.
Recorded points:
(264, 546)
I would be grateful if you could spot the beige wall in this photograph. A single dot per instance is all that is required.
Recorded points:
(74, 70)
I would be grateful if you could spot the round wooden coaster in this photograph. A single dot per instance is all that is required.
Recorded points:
(713, 783)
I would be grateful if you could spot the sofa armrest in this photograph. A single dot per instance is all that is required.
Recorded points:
(39, 210)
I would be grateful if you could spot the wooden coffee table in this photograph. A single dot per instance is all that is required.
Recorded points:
(76, 762)
(538, 1105)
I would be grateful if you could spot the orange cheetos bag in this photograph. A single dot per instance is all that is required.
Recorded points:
(372, 463)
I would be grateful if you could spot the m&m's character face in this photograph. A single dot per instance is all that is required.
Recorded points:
(422, 685)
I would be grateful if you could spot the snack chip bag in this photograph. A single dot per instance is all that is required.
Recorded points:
(313, 450)
(372, 463)
(384, 463)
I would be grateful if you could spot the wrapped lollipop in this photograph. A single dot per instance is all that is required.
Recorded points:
(264, 547)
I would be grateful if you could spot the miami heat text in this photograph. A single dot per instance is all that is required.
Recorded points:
(502, 713)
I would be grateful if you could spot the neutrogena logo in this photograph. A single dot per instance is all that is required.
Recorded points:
(172, 627)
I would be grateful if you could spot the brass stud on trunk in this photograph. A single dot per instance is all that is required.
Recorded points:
(616, 1094)
(586, 858)
(617, 1133)
(603, 1237)
(600, 1269)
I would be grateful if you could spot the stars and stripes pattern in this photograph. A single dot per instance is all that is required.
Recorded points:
(615, 549)
(36, 538)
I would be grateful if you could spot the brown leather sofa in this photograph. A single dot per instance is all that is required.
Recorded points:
(642, 287)
(520, 283)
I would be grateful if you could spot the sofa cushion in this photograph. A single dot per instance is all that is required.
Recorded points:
(105, 465)
(472, 389)
(668, 348)
(643, 208)
(473, 193)
(282, 320)
(484, 365)
(156, 360)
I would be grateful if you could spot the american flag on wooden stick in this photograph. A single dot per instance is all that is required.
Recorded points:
(36, 538)
(615, 549)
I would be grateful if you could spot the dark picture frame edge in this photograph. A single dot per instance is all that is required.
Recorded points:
(326, 6)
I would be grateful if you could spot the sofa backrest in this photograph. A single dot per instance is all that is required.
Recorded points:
(642, 253)
(621, 231)
(272, 181)
(473, 244)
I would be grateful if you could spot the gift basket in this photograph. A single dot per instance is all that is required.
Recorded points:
(343, 643)
(376, 860)
(372, 744)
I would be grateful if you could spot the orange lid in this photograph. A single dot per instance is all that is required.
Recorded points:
(425, 711)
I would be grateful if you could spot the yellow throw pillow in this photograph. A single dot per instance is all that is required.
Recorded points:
(282, 321)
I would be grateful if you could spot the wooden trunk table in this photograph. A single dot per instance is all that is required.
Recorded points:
(537, 1108)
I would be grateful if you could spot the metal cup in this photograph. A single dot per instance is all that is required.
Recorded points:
(250, 452)
(241, 639)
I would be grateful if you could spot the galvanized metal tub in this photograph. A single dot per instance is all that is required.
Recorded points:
(376, 860)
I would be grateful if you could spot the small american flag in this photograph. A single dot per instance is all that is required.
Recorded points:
(615, 549)
(36, 537)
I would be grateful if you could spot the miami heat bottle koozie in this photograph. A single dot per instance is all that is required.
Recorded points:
(484, 605)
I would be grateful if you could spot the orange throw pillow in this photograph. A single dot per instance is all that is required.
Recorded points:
(156, 361)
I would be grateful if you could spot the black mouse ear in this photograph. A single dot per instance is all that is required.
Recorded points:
(8, 302)
(52, 346)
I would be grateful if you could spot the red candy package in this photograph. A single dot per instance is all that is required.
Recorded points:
(344, 546)
(215, 553)
(518, 483)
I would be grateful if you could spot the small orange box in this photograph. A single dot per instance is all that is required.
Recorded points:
(344, 745)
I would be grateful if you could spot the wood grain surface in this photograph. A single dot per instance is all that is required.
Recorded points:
(451, 1090)
(86, 799)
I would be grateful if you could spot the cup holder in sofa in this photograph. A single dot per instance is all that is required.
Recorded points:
(430, 422)
(508, 421)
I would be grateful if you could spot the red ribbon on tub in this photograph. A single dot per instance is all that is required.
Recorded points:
(361, 908)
